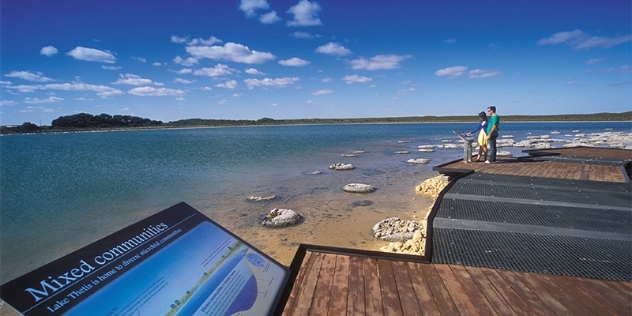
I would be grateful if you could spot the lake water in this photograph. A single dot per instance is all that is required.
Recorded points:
(60, 192)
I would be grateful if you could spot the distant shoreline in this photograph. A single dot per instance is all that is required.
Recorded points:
(29, 128)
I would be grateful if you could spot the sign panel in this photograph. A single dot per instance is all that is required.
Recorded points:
(176, 262)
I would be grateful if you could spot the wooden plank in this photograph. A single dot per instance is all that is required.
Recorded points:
(580, 296)
(407, 297)
(553, 304)
(560, 294)
(422, 289)
(514, 300)
(618, 303)
(355, 297)
(491, 293)
(372, 293)
(539, 307)
(322, 293)
(475, 294)
(439, 291)
(298, 283)
(460, 298)
(306, 292)
(340, 288)
(390, 297)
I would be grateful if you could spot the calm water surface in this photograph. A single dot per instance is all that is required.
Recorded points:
(60, 192)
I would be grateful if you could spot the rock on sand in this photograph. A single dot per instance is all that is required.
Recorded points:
(395, 229)
(358, 188)
(279, 218)
(341, 166)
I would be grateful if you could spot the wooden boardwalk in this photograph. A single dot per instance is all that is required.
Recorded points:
(337, 281)
(348, 284)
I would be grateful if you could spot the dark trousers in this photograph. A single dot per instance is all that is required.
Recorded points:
(492, 148)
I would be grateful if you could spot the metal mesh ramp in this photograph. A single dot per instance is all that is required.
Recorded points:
(575, 228)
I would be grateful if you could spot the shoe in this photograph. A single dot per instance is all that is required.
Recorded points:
(487, 161)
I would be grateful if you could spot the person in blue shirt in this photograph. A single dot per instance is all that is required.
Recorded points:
(482, 136)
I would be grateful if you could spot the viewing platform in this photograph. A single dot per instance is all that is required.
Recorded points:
(549, 233)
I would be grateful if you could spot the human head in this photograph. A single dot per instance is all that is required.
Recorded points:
(491, 109)
(482, 116)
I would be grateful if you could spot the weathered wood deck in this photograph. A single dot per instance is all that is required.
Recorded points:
(347, 284)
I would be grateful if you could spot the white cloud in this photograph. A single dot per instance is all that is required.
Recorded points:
(38, 101)
(269, 18)
(379, 62)
(102, 91)
(7, 103)
(30, 76)
(178, 40)
(579, 40)
(184, 71)
(133, 80)
(299, 34)
(451, 72)
(231, 84)
(200, 41)
(253, 71)
(140, 59)
(481, 73)
(267, 82)
(157, 64)
(218, 70)
(185, 62)
(183, 81)
(323, 91)
(355, 78)
(37, 108)
(333, 49)
(305, 14)
(48, 51)
(593, 61)
(230, 51)
(294, 62)
(618, 70)
(91, 54)
(250, 7)
(155, 92)
(110, 67)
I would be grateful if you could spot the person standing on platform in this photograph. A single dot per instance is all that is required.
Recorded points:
(482, 137)
(492, 133)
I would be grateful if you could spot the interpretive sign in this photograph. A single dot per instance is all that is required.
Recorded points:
(176, 262)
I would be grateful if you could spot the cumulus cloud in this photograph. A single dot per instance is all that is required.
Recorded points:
(250, 7)
(133, 80)
(205, 42)
(451, 72)
(323, 91)
(333, 49)
(38, 101)
(91, 54)
(101, 90)
(580, 40)
(7, 103)
(253, 71)
(190, 61)
(267, 82)
(230, 84)
(482, 74)
(48, 51)
(299, 34)
(379, 62)
(183, 81)
(355, 78)
(218, 70)
(294, 62)
(269, 18)
(155, 92)
(30, 76)
(232, 52)
(305, 14)
(37, 108)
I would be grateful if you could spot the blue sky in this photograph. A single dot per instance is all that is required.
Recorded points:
(248, 59)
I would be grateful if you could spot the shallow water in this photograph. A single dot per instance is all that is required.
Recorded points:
(60, 192)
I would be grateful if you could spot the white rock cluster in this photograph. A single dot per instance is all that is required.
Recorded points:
(358, 188)
(262, 198)
(395, 229)
(278, 218)
(418, 160)
(341, 166)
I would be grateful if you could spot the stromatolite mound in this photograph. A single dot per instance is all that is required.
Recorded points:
(279, 218)
(358, 188)
(431, 188)
(418, 161)
(395, 229)
(262, 198)
(341, 166)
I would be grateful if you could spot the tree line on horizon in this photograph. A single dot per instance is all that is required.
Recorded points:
(84, 121)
